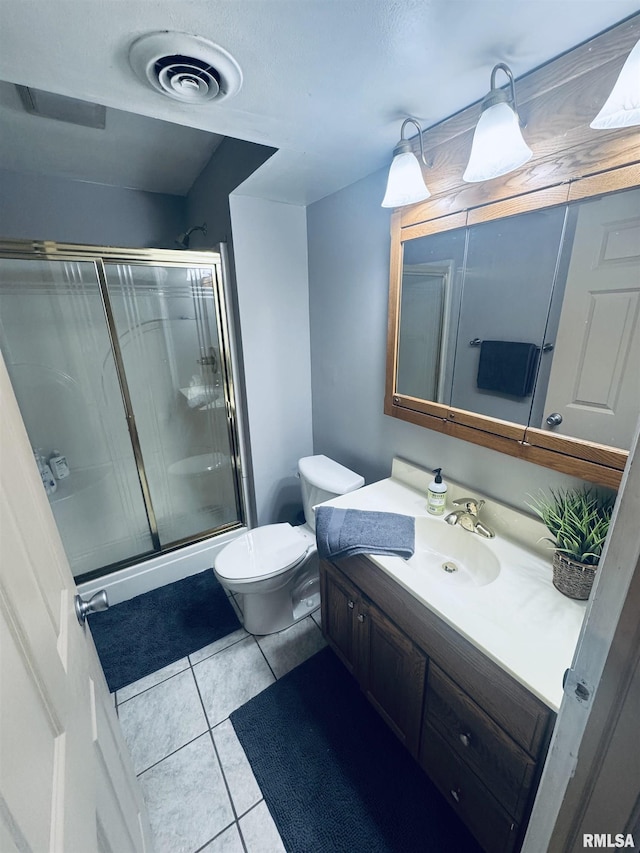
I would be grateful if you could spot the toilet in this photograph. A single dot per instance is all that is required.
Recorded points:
(275, 567)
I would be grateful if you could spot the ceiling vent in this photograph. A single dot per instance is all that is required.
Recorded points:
(187, 68)
(62, 108)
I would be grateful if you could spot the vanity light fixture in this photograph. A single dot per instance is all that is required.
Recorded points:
(405, 184)
(498, 146)
(622, 107)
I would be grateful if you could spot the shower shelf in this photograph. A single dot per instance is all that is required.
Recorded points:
(203, 463)
(78, 482)
(203, 391)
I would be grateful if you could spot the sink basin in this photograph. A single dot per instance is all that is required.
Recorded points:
(452, 555)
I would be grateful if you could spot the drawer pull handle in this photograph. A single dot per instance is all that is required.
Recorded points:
(361, 617)
(455, 793)
(350, 604)
(465, 738)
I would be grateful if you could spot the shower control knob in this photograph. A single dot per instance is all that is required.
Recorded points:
(95, 604)
(554, 419)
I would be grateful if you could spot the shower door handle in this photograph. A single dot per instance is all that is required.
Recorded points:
(95, 604)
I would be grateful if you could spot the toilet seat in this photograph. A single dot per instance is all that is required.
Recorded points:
(262, 553)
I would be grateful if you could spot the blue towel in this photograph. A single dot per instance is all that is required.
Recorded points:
(345, 532)
(508, 367)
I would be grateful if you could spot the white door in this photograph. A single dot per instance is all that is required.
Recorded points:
(591, 778)
(66, 781)
(595, 379)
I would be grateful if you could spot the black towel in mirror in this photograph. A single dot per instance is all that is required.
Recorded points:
(508, 367)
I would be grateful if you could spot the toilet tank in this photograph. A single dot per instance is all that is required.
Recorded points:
(322, 479)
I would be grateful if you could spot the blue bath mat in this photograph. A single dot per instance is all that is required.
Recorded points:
(152, 630)
(334, 776)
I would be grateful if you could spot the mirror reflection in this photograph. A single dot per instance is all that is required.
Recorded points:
(532, 319)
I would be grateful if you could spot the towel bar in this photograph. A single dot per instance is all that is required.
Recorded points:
(476, 342)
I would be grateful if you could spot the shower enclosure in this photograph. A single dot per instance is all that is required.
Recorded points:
(121, 365)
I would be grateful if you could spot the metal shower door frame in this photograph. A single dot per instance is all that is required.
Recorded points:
(217, 263)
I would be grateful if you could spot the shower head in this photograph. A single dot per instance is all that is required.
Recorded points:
(183, 239)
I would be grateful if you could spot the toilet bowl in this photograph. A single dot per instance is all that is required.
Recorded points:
(275, 567)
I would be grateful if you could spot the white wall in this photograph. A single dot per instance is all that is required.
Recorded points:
(348, 244)
(270, 247)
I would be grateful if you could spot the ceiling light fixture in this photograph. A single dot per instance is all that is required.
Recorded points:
(498, 146)
(622, 107)
(405, 184)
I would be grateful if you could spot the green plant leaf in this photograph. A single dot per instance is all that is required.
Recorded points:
(578, 520)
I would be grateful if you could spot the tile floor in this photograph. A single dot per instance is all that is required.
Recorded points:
(195, 777)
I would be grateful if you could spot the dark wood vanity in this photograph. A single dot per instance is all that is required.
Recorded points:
(479, 734)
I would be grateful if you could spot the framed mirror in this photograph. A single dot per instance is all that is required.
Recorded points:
(531, 323)
(514, 307)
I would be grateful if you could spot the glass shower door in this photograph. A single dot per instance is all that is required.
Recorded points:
(122, 372)
(56, 346)
(168, 326)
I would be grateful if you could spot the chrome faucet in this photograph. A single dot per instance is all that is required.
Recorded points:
(467, 517)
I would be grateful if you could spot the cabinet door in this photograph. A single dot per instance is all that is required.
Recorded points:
(392, 673)
(339, 603)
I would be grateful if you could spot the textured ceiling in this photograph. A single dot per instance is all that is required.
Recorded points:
(327, 82)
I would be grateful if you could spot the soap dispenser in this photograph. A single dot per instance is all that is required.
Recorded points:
(437, 494)
(59, 466)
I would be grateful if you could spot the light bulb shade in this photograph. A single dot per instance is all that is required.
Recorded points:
(498, 146)
(622, 107)
(405, 184)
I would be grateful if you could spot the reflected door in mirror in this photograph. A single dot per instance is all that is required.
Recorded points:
(423, 345)
(595, 378)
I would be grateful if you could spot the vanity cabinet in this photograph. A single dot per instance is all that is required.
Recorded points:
(389, 667)
(479, 734)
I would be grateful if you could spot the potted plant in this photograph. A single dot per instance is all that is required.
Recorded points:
(578, 520)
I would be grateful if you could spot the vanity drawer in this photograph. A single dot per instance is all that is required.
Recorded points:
(494, 829)
(498, 761)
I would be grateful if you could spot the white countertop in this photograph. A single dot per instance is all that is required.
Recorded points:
(520, 620)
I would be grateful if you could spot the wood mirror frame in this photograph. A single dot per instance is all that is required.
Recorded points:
(570, 161)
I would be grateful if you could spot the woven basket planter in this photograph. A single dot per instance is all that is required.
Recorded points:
(572, 578)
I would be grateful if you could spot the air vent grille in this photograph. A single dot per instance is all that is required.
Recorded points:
(62, 108)
(184, 67)
(187, 78)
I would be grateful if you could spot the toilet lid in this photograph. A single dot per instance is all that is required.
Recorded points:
(261, 553)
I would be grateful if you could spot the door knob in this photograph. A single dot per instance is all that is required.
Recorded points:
(554, 419)
(95, 604)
